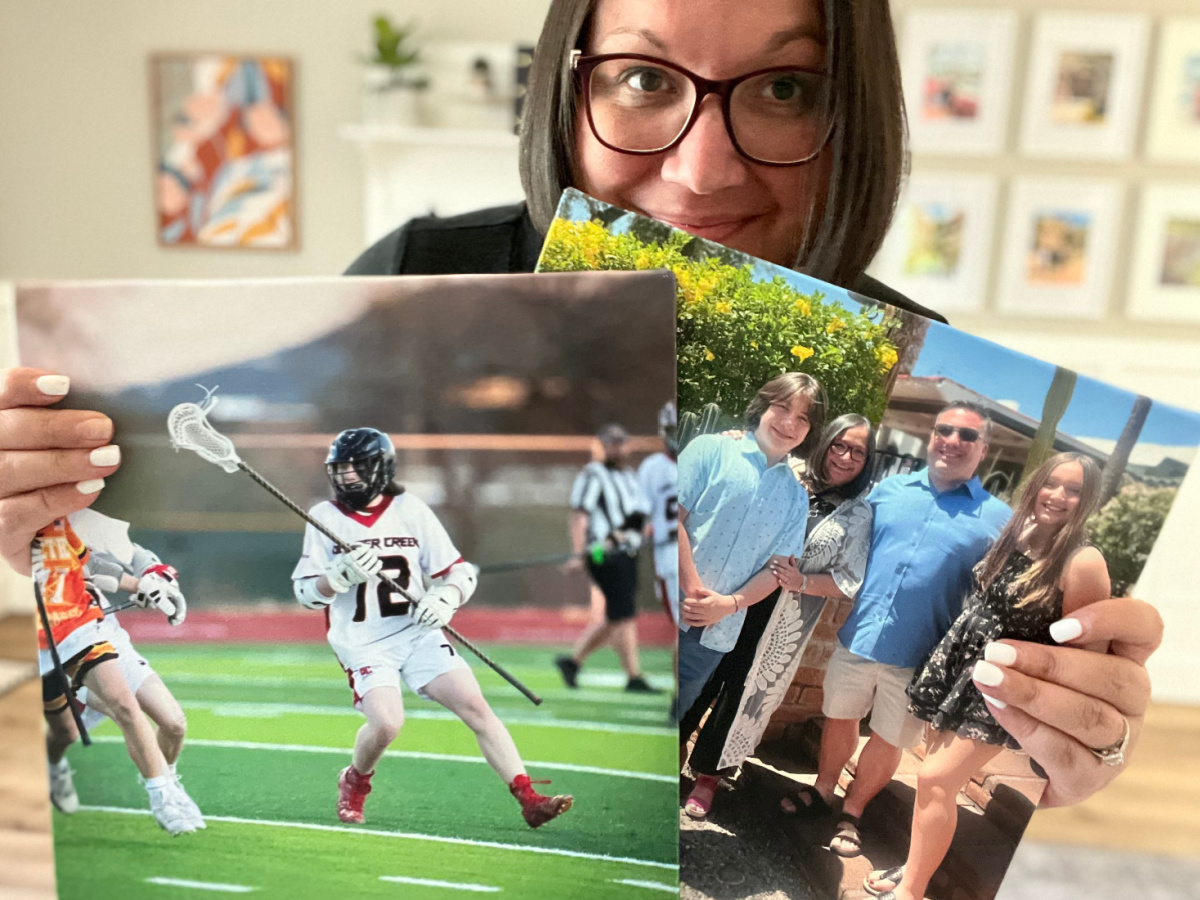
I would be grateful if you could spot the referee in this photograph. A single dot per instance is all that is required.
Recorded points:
(608, 514)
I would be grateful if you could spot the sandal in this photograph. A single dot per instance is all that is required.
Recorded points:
(847, 832)
(892, 876)
(807, 803)
(700, 801)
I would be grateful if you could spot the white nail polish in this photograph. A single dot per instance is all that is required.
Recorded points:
(53, 385)
(986, 673)
(1066, 630)
(999, 704)
(105, 456)
(1001, 654)
(91, 486)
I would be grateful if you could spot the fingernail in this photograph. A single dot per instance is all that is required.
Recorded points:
(105, 456)
(1066, 630)
(986, 673)
(96, 428)
(91, 486)
(1003, 654)
(999, 704)
(53, 385)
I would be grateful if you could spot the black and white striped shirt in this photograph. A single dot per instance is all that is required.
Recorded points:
(608, 497)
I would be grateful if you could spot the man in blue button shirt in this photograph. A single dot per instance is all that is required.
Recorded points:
(930, 529)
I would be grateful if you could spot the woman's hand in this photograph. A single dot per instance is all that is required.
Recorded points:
(1061, 701)
(787, 572)
(705, 607)
(52, 462)
(735, 433)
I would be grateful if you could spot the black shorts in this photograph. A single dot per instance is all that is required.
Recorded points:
(617, 579)
(54, 689)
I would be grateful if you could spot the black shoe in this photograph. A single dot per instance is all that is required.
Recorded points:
(639, 685)
(569, 669)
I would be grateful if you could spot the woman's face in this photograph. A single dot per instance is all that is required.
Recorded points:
(703, 185)
(783, 427)
(1059, 496)
(846, 456)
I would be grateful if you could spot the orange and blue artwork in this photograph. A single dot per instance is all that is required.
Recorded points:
(225, 172)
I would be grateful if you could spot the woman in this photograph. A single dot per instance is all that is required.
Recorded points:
(827, 215)
(1040, 569)
(750, 683)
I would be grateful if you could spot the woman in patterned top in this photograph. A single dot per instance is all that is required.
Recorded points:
(752, 679)
(1040, 569)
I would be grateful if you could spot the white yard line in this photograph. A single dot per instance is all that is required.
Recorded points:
(202, 885)
(453, 885)
(649, 885)
(433, 838)
(274, 710)
(405, 754)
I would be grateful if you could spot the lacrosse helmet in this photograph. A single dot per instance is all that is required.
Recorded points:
(373, 458)
(668, 427)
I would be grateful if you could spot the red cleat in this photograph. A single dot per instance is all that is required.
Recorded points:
(353, 788)
(536, 808)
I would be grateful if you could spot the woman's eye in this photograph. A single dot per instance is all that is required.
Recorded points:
(643, 79)
(783, 89)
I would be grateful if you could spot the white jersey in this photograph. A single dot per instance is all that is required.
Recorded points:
(413, 546)
(660, 483)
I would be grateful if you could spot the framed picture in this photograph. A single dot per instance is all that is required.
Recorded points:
(224, 151)
(1165, 274)
(1173, 132)
(1059, 246)
(937, 249)
(957, 72)
(1085, 85)
(472, 84)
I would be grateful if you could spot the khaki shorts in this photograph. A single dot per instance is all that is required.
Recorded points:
(855, 686)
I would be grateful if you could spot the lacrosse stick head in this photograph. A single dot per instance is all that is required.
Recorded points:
(189, 429)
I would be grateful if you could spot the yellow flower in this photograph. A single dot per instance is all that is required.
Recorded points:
(724, 308)
(887, 356)
(835, 325)
(709, 356)
(802, 353)
(754, 345)
(803, 307)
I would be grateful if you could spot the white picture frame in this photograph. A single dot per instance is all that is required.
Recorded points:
(1164, 280)
(1173, 128)
(938, 249)
(1059, 246)
(957, 69)
(1084, 85)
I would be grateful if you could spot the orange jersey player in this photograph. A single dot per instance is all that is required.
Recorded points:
(89, 659)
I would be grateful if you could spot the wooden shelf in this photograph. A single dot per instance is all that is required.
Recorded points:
(365, 135)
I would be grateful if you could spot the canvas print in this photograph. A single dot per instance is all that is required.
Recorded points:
(887, 510)
(1059, 247)
(940, 240)
(1165, 277)
(1173, 128)
(1085, 85)
(225, 168)
(957, 74)
(318, 475)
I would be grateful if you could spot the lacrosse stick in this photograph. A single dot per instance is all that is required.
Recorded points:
(596, 553)
(58, 666)
(189, 429)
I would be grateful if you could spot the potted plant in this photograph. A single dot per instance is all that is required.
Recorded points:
(392, 82)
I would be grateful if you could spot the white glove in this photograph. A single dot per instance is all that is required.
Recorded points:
(355, 567)
(159, 589)
(436, 607)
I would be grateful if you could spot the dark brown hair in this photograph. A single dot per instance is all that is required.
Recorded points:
(782, 389)
(815, 474)
(844, 228)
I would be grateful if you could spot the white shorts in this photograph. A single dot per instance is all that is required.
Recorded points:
(134, 667)
(418, 660)
(855, 686)
(73, 644)
(666, 570)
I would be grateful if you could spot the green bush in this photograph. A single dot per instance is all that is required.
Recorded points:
(734, 334)
(1126, 528)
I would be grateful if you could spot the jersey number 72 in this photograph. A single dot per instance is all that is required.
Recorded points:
(396, 568)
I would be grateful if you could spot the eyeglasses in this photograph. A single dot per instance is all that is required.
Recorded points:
(858, 454)
(966, 435)
(641, 105)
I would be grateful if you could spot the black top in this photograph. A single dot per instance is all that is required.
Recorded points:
(501, 240)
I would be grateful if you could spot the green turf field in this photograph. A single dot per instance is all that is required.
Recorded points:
(269, 728)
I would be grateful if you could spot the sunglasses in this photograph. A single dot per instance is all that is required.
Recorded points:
(966, 435)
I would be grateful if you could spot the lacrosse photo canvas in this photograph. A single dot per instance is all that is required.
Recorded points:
(261, 669)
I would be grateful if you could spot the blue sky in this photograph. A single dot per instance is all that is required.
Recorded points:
(1096, 410)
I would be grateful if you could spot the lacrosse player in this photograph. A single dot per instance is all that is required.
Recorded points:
(658, 478)
(116, 564)
(90, 660)
(378, 637)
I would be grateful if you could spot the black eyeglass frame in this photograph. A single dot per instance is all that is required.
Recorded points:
(944, 430)
(583, 66)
